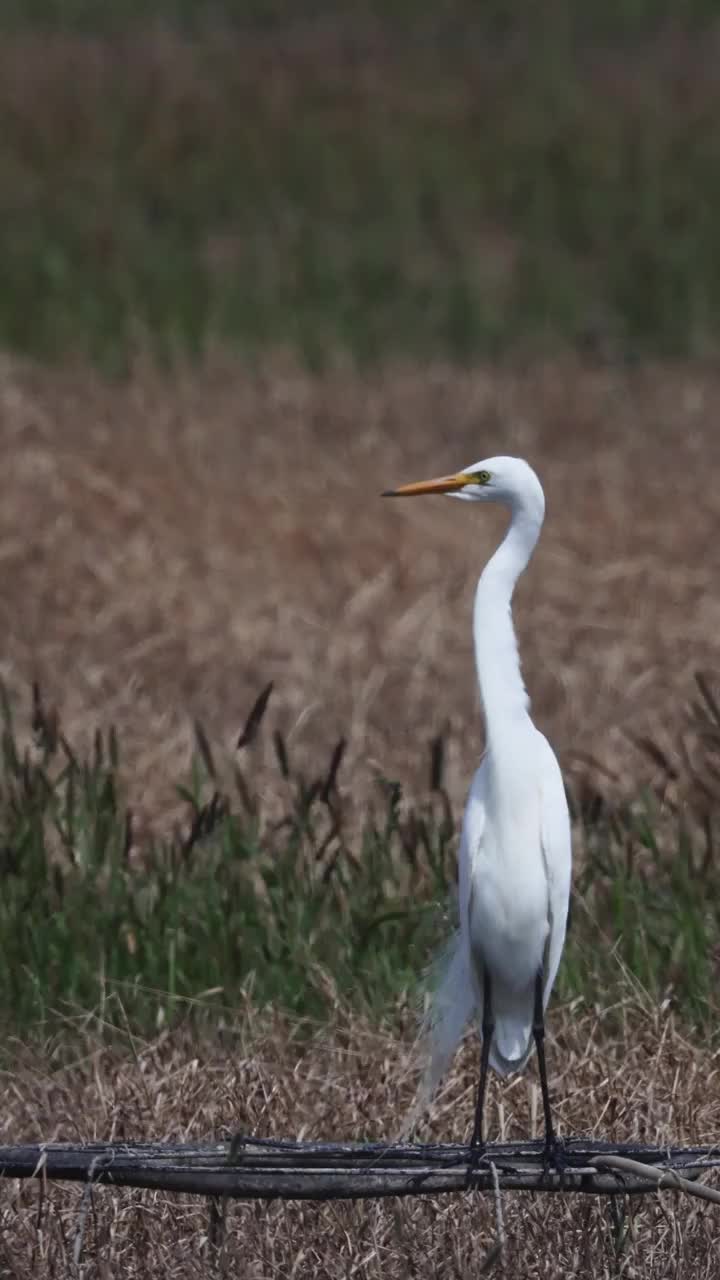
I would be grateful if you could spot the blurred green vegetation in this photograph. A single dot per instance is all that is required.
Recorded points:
(373, 179)
(618, 17)
(307, 908)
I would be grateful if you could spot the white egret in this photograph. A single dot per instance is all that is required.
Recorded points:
(515, 848)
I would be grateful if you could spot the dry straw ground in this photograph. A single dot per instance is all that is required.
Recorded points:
(170, 545)
(626, 1073)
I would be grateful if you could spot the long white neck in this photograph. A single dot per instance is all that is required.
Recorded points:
(503, 693)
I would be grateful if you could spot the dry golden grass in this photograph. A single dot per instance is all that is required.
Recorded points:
(623, 1074)
(169, 545)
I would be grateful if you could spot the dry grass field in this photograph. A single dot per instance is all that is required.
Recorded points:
(170, 545)
(623, 1073)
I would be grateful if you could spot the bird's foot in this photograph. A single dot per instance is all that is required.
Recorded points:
(476, 1154)
(554, 1156)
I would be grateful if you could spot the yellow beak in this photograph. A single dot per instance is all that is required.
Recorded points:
(443, 484)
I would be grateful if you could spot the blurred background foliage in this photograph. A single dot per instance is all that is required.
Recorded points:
(312, 907)
(395, 179)
(372, 179)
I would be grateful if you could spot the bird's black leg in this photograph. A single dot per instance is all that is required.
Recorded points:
(552, 1146)
(488, 1027)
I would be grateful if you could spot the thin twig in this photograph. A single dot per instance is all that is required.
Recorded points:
(499, 1219)
(663, 1178)
(83, 1211)
(496, 1252)
(216, 1224)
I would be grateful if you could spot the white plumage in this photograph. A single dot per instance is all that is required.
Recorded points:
(515, 848)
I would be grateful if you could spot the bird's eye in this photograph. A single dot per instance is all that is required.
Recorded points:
(482, 477)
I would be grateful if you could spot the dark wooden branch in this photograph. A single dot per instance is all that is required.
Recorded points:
(261, 1168)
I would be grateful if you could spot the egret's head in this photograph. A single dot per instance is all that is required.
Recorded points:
(507, 480)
